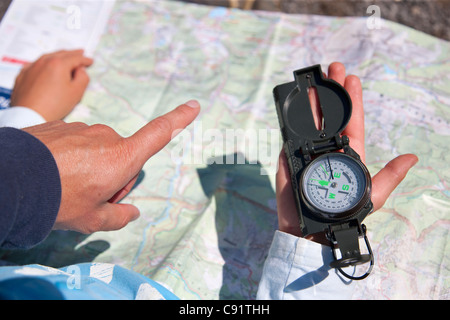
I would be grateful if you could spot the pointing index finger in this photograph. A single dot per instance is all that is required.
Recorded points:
(155, 135)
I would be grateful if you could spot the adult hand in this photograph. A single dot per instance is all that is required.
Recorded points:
(52, 85)
(383, 183)
(98, 167)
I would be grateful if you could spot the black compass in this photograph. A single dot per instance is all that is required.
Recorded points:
(332, 187)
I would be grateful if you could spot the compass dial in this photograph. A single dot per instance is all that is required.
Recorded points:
(336, 185)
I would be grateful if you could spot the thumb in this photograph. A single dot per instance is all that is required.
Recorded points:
(114, 216)
(385, 181)
(75, 58)
(80, 79)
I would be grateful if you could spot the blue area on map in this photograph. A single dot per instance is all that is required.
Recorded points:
(5, 97)
(388, 70)
(218, 12)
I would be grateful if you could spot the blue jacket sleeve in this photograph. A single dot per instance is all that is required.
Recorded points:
(30, 189)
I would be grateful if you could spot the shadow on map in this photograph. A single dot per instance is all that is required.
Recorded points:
(60, 248)
(245, 221)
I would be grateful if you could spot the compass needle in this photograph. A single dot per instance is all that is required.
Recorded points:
(324, 171)
(348, 177)
(331, 170)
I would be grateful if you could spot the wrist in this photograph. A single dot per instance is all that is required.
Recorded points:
(318, 237)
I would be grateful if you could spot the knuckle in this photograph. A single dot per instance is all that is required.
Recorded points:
(89, 227)
(353, 80)
(122, 222)
(186, 113)
(352, 77)
(394, 172)
(96, 223)
(113, 146)
(54, 62)
(76, 124)
(43, 58)
(162, 124)
(102, 129)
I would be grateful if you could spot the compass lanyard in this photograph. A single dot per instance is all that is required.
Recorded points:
(347, 241)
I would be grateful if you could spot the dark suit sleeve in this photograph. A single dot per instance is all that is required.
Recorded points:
(30, 189)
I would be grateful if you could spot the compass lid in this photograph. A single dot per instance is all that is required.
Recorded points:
(294, 107)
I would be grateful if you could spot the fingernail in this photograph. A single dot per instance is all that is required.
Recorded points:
(193, 104)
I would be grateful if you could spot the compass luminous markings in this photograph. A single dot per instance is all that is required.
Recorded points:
(321, 182)
(334, 183)
(346, 186)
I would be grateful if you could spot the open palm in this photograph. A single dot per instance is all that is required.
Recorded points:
(383, 183)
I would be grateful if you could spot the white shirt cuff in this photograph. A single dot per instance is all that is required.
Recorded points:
(20, 117)
(297, 268)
